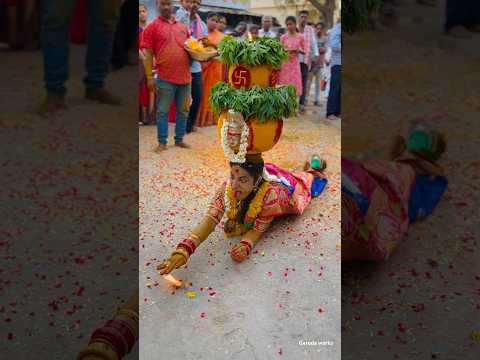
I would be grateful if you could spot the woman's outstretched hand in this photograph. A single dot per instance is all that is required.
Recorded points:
(174, 262)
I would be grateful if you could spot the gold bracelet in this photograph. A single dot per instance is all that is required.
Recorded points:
(131, 314)
(99, 349)
(183, 252)
(195, 238)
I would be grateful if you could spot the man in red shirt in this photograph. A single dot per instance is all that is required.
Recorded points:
(164, 39)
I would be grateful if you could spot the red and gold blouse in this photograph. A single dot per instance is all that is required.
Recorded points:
(277, 201)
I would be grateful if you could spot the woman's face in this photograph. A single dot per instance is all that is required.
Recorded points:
(222, 24)
(212, 23)
(242, 182)
(291, 26)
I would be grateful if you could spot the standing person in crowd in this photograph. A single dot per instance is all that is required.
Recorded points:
(164, 39)
(335, 93)
(222, 24)
(124, 45)
(280, 32)
(266, 30)
(240, 29)
(316, 71)
(294, 43)
(56, 18)
(198, 30)
(253, 32)
(21, 23)
(311, 54)
(463, 18)
(182, 15)
(212, 72)
(143, 93)
(184, 11)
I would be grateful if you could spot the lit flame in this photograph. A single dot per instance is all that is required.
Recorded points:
(172, 280)
(250, 37)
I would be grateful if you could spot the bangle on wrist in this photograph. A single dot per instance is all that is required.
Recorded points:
(182, 251)
(189, 245)
(195, 239)
(99, 349)
(131, 314)
(112, 338)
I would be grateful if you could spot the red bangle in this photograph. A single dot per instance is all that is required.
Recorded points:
(188, 245)
(191, 243)
(125, 330)
(185, 247)
(111, 337)
(249, 246)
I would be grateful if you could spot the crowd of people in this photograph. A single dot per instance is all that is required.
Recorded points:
(176, 88)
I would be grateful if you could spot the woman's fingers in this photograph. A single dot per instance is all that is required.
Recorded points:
(174, 262)
(178, 262)
(239, 252)
(237, 248)
(165, 267)
(239, 256)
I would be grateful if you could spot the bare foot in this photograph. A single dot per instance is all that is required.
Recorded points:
(51, 105)
(333, 118)
(160, 148)
(474, 29)
(427, 2)
(102, 96)
(182, 145)
(459, 32)
(399, 145)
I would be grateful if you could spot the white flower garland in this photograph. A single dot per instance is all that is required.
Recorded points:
(240, 156)
(226, 200)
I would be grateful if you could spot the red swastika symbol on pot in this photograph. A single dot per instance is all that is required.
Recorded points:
(273, 80)
(241, 77)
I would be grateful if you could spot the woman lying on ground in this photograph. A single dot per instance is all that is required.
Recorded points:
(381, 198)
(255, 195)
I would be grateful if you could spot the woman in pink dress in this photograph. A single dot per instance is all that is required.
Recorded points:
(294, 43)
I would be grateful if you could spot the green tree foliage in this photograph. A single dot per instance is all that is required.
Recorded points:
(357, 14)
